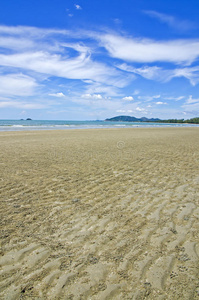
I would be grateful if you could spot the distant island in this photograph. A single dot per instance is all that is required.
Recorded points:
(28, 119)
(144, 119)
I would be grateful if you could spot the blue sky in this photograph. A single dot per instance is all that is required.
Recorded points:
(87, 60)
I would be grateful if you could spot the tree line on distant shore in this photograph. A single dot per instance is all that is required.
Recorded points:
(182, 121)
(144, 119)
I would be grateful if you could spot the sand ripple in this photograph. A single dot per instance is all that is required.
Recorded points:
(82, 218)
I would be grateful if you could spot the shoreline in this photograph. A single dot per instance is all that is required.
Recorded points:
(14, 125)
(193, 126)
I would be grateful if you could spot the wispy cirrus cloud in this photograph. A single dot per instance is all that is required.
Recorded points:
(89, 69)
(17, 85)
(191, 100)
(191, 105)
(149, 98)
(143, 50)
(31, 32)
(178, 24)
(21, 105)
(93, 87)
(145, 71)
(80, 67)
(55, 53)
(164, 75)
(175, 98)
(191, 73)
(48, 51)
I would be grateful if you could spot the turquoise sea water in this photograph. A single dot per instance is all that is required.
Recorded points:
(20, 125)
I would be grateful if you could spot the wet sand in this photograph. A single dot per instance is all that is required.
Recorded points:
(100, 214)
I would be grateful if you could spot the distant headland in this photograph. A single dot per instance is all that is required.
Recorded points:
(144, 119)
(131, 119)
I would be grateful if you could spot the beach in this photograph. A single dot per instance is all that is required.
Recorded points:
(100, 214)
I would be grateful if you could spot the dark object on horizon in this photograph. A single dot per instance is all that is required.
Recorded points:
(28, 119)
(131, 119)
(21, 119)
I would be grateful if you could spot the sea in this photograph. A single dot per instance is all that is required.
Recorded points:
(22, 125)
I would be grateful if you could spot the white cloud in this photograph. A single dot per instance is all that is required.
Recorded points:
(105, 105)
(127, 48)
(164, 75)
(59, 95)
(136, 92)
(121, 111)
(94, 96)
(97, 87)
(81, 67)
(191, 106)
(140, 109)
(44, 53)
(148, 51)
(179, 98)
(148, 72)
(117, 21)
(41, 58)
(78, 7)
(22, 105)
(16, 43)
(175, 98)
(153, 73)
(4, 98)
(160, 103)
(190, 100)
(149, 98)
(128, 98)
(124, 111)
(17, 85)
(192, 74)
(173, 22)
(97, 96)
(31, 32)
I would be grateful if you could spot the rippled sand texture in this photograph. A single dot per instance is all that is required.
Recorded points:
(100, 214)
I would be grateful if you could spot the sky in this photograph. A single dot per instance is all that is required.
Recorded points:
(96, 59)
